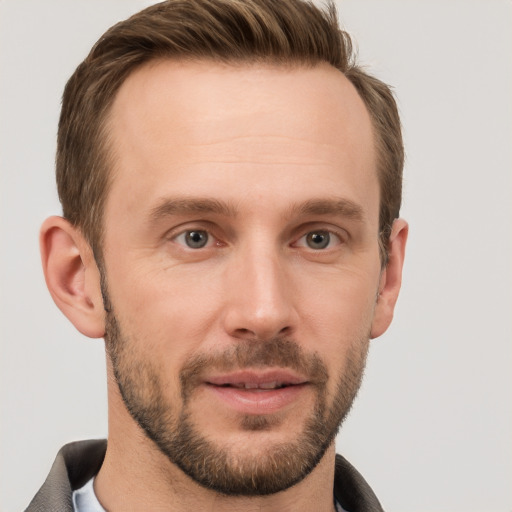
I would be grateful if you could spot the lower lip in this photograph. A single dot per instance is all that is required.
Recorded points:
(251, 401)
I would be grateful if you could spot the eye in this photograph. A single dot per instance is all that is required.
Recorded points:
(319, 239)
(194, 238)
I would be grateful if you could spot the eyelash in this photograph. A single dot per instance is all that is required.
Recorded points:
(330, 233)
(190, 232)
(339, 239)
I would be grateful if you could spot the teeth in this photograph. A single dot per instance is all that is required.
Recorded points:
(269, 385)
(253, 385)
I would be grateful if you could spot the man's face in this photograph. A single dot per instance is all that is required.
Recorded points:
(242, 264)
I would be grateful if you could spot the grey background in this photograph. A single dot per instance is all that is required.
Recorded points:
(432, 427)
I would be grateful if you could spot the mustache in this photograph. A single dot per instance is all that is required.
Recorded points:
(254, 354)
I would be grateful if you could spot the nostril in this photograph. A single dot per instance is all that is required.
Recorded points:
(244, 332)
(246, 319)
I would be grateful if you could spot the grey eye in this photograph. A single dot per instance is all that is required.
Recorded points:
(196, 239)
(318, 239)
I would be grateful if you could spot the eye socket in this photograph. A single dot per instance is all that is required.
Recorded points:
(319, 239)
(194, 238)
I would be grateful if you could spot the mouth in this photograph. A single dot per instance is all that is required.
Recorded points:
(253, 392)
(254, 379)
(255, 386)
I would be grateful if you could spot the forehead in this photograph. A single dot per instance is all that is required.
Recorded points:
(190, 127)
(201, 95)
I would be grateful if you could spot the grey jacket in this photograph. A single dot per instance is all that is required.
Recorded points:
(78, 462)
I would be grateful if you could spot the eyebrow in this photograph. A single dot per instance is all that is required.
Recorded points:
(337, 206)
(183, 205)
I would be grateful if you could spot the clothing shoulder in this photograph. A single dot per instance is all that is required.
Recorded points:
(352, 490)
(75, 464)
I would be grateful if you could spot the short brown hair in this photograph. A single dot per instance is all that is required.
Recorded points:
(282, 32)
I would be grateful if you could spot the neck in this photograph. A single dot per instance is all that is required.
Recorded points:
(135, 475)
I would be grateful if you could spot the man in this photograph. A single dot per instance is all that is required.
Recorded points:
(231, 184)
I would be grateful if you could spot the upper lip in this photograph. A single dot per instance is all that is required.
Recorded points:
(257, 379)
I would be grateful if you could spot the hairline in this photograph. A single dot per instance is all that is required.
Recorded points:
(106, 149)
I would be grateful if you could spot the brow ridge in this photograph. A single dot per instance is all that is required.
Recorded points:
(184, 205)
(204, 205)
(332, 206)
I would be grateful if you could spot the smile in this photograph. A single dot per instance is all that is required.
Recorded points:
(263, 386)
(257, 392)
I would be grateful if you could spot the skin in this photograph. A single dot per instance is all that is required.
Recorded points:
(264, 142)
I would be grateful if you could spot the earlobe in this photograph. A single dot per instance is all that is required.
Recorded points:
(72, 276)
(391, 279)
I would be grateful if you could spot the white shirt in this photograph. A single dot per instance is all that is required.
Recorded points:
(84, 499)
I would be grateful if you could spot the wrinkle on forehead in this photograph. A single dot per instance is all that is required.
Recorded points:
(204, 103)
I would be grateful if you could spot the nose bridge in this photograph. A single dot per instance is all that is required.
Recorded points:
(261, 302)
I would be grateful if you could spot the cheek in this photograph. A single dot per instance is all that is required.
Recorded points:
(168, 311)
(338, 319)
(343, 306)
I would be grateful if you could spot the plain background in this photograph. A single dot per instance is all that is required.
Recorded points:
(432, 427)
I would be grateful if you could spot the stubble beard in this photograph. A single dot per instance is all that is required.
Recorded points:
(275, 467)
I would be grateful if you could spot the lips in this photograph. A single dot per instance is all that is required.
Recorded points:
(257, 392)
(263, 386)
(253, 379)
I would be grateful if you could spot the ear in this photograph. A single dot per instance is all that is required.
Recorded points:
(390, 279)
(72, 276)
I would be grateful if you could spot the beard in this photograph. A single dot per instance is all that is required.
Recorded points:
(275, 467)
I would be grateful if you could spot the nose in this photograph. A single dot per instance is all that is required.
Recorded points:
(260, 296)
